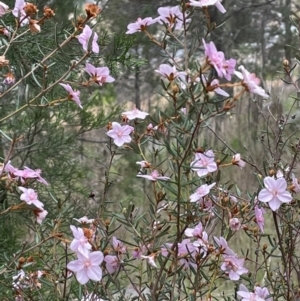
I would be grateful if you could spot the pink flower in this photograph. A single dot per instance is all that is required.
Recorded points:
(262, 292)
(234, 224)
(224, 68)
(229, 68)
(112, 263)
(84, 39)
(9, 168)
(3, 8)
(118, 246)
(120, 134)
(183, 110)
(9, 79)
(236, 160)
(202, 244)
(29, 173)
(214, 86)
(165, 249)
(201, 192)
(259, 217)
(19, 12)
(196, 232)
(138, 252)
(171, 16)
(170, 72)
(84, 220)
(214, 57)
(143, 164)
(40, 215)
(251, 82)
(73, 94)
(100, 75)
(135, 113)
(259, 294)
(87, 267)
(140, 25)
(188, 251)
(80, 243)
(30, 197)
(204, 163)
(202, 3)
(223, 246)
(150, 127)
(279, 174)
(150, 258)
(233, 267)
(296, 186)
(217, 89)
(154, 176)
(274, 193)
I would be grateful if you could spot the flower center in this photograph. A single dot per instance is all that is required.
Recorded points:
(154, 174)
(32, 196)
(87, 264)
(120, 133)
(274, 193)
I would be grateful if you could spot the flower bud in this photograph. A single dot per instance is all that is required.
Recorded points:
(22, 260)
(80, 22)
(9, 79)
(125, 118)
(88, 233)
(272, 172)
(200, 150)
(30, 9)
(285, 63)
(3, 61)
(175, 89)
(4, 31)
(109, 126)
(48, 12)
(30, 259)
(92, 10)
(34, 26)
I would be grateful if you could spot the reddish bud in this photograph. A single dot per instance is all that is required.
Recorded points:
(92, 10)
(48, 12)
(30, 9)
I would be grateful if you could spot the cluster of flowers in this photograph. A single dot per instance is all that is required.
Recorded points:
(99, 75)
(173, 17)
(259, 294)
(121, 133)
(24, 11)
(29, 196)
(192, 252)
(23, 281)
(87, 266)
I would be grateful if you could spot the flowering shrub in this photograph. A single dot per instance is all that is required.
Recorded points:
(179, 246)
